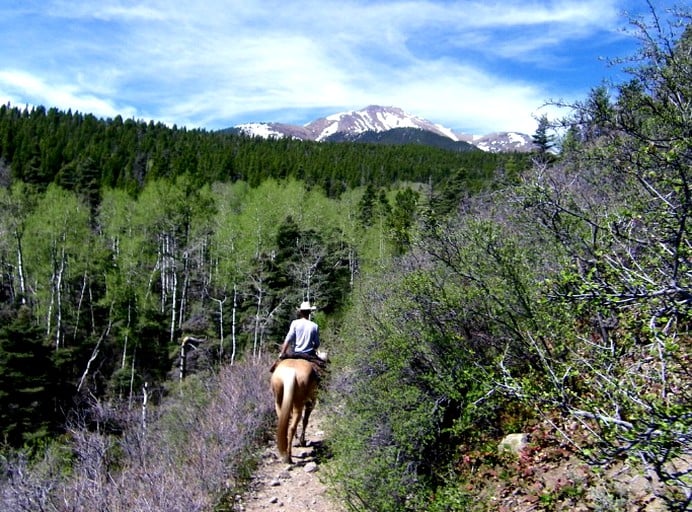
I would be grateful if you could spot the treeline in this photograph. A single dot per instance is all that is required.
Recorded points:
(83, 153)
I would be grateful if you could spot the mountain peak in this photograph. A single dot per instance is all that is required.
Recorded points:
(350, 125)
(374, 118)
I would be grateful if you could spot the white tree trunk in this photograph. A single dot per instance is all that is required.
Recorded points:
(173, 305)
(91, 309)
(79, 304)
(163, 258)
(351, 266)
(58, 296)
(145, 400)
(267, 321)
(20, 267)
(182, 363)
(49, 313)
(96, 350)
(258, 287)
(183, 292)
(235, 308)
(221, 302)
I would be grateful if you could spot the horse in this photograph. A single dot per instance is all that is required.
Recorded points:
(294, 384)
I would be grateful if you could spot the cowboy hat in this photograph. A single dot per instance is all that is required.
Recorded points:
(305, 306)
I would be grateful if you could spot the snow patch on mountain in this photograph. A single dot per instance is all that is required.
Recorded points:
(504, 141)
(265, 130)
(381, 119)
(274, 130)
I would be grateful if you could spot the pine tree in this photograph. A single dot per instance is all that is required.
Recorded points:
(366, 206)
(26, 380)
(543, 140)
(402, 219)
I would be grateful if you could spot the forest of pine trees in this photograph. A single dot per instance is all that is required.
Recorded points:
(79, 152)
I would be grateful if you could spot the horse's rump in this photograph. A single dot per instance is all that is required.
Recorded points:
(294, 385)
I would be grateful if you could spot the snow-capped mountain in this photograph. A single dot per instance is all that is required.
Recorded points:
(277, 130)
(500, 141)
(350, 125)
(374, 119)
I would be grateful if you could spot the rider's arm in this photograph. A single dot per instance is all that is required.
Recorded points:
(289, 338)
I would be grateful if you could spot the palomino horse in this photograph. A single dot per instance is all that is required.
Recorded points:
(294, 384)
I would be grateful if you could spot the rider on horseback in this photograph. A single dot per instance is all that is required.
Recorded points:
(303, 338)
(294, 382)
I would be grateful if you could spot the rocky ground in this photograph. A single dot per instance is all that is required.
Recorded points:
(297, 487)
(542, 479)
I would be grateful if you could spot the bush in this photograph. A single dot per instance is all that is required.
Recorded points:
(196, 452)
(415, 385)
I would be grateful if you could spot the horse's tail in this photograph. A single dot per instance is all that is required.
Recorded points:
(288, 380)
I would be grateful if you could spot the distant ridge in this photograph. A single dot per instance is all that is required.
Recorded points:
(387, 125)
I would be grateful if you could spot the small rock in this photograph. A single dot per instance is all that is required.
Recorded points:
(310, 467)
(273, 500)
(513, 443)
(275, 482)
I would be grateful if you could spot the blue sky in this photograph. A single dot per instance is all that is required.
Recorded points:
(473, 66)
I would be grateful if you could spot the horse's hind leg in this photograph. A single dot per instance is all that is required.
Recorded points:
(309, 405)
(293, 427)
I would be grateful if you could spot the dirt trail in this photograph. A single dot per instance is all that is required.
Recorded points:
(291, 488)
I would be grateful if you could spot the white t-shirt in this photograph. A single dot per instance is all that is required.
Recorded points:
(303, 336)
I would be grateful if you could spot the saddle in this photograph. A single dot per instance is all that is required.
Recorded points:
(319, 366)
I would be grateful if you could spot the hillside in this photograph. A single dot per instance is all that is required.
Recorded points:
(399, 136)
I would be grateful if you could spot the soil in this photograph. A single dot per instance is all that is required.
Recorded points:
(296, 487)
(301, 486)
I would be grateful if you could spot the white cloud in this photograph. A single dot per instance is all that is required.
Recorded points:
(213, 62)
(104, 10)
(23, 88)
(465, 99)
(566, 12)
